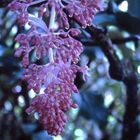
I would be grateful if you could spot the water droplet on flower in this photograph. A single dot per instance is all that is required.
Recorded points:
(70, 15)
(83, 26)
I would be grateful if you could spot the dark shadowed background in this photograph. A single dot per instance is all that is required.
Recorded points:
(102, 100)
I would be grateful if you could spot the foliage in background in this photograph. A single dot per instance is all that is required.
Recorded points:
(101, 99)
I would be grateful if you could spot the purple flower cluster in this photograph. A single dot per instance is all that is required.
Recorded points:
(60, 48)
(58, 82)
(47, 105)
(84, 10)
(65, 47)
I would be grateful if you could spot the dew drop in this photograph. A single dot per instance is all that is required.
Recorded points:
(70, 15)
(83, 26)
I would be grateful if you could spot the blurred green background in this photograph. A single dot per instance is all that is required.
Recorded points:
(101, 100)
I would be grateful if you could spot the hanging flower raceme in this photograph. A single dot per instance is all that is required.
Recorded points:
(64, 46)
(50, 114)
(61, 50)
(58, 83)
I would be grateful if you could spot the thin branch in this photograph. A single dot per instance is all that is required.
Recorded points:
(114, 41)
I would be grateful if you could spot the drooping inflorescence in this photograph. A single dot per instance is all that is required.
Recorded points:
(55, 41)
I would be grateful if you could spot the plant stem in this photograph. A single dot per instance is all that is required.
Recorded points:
(52, 18)
(51, 26)
(36, 2)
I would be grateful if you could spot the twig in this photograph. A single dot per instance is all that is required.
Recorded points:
(114, 41)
